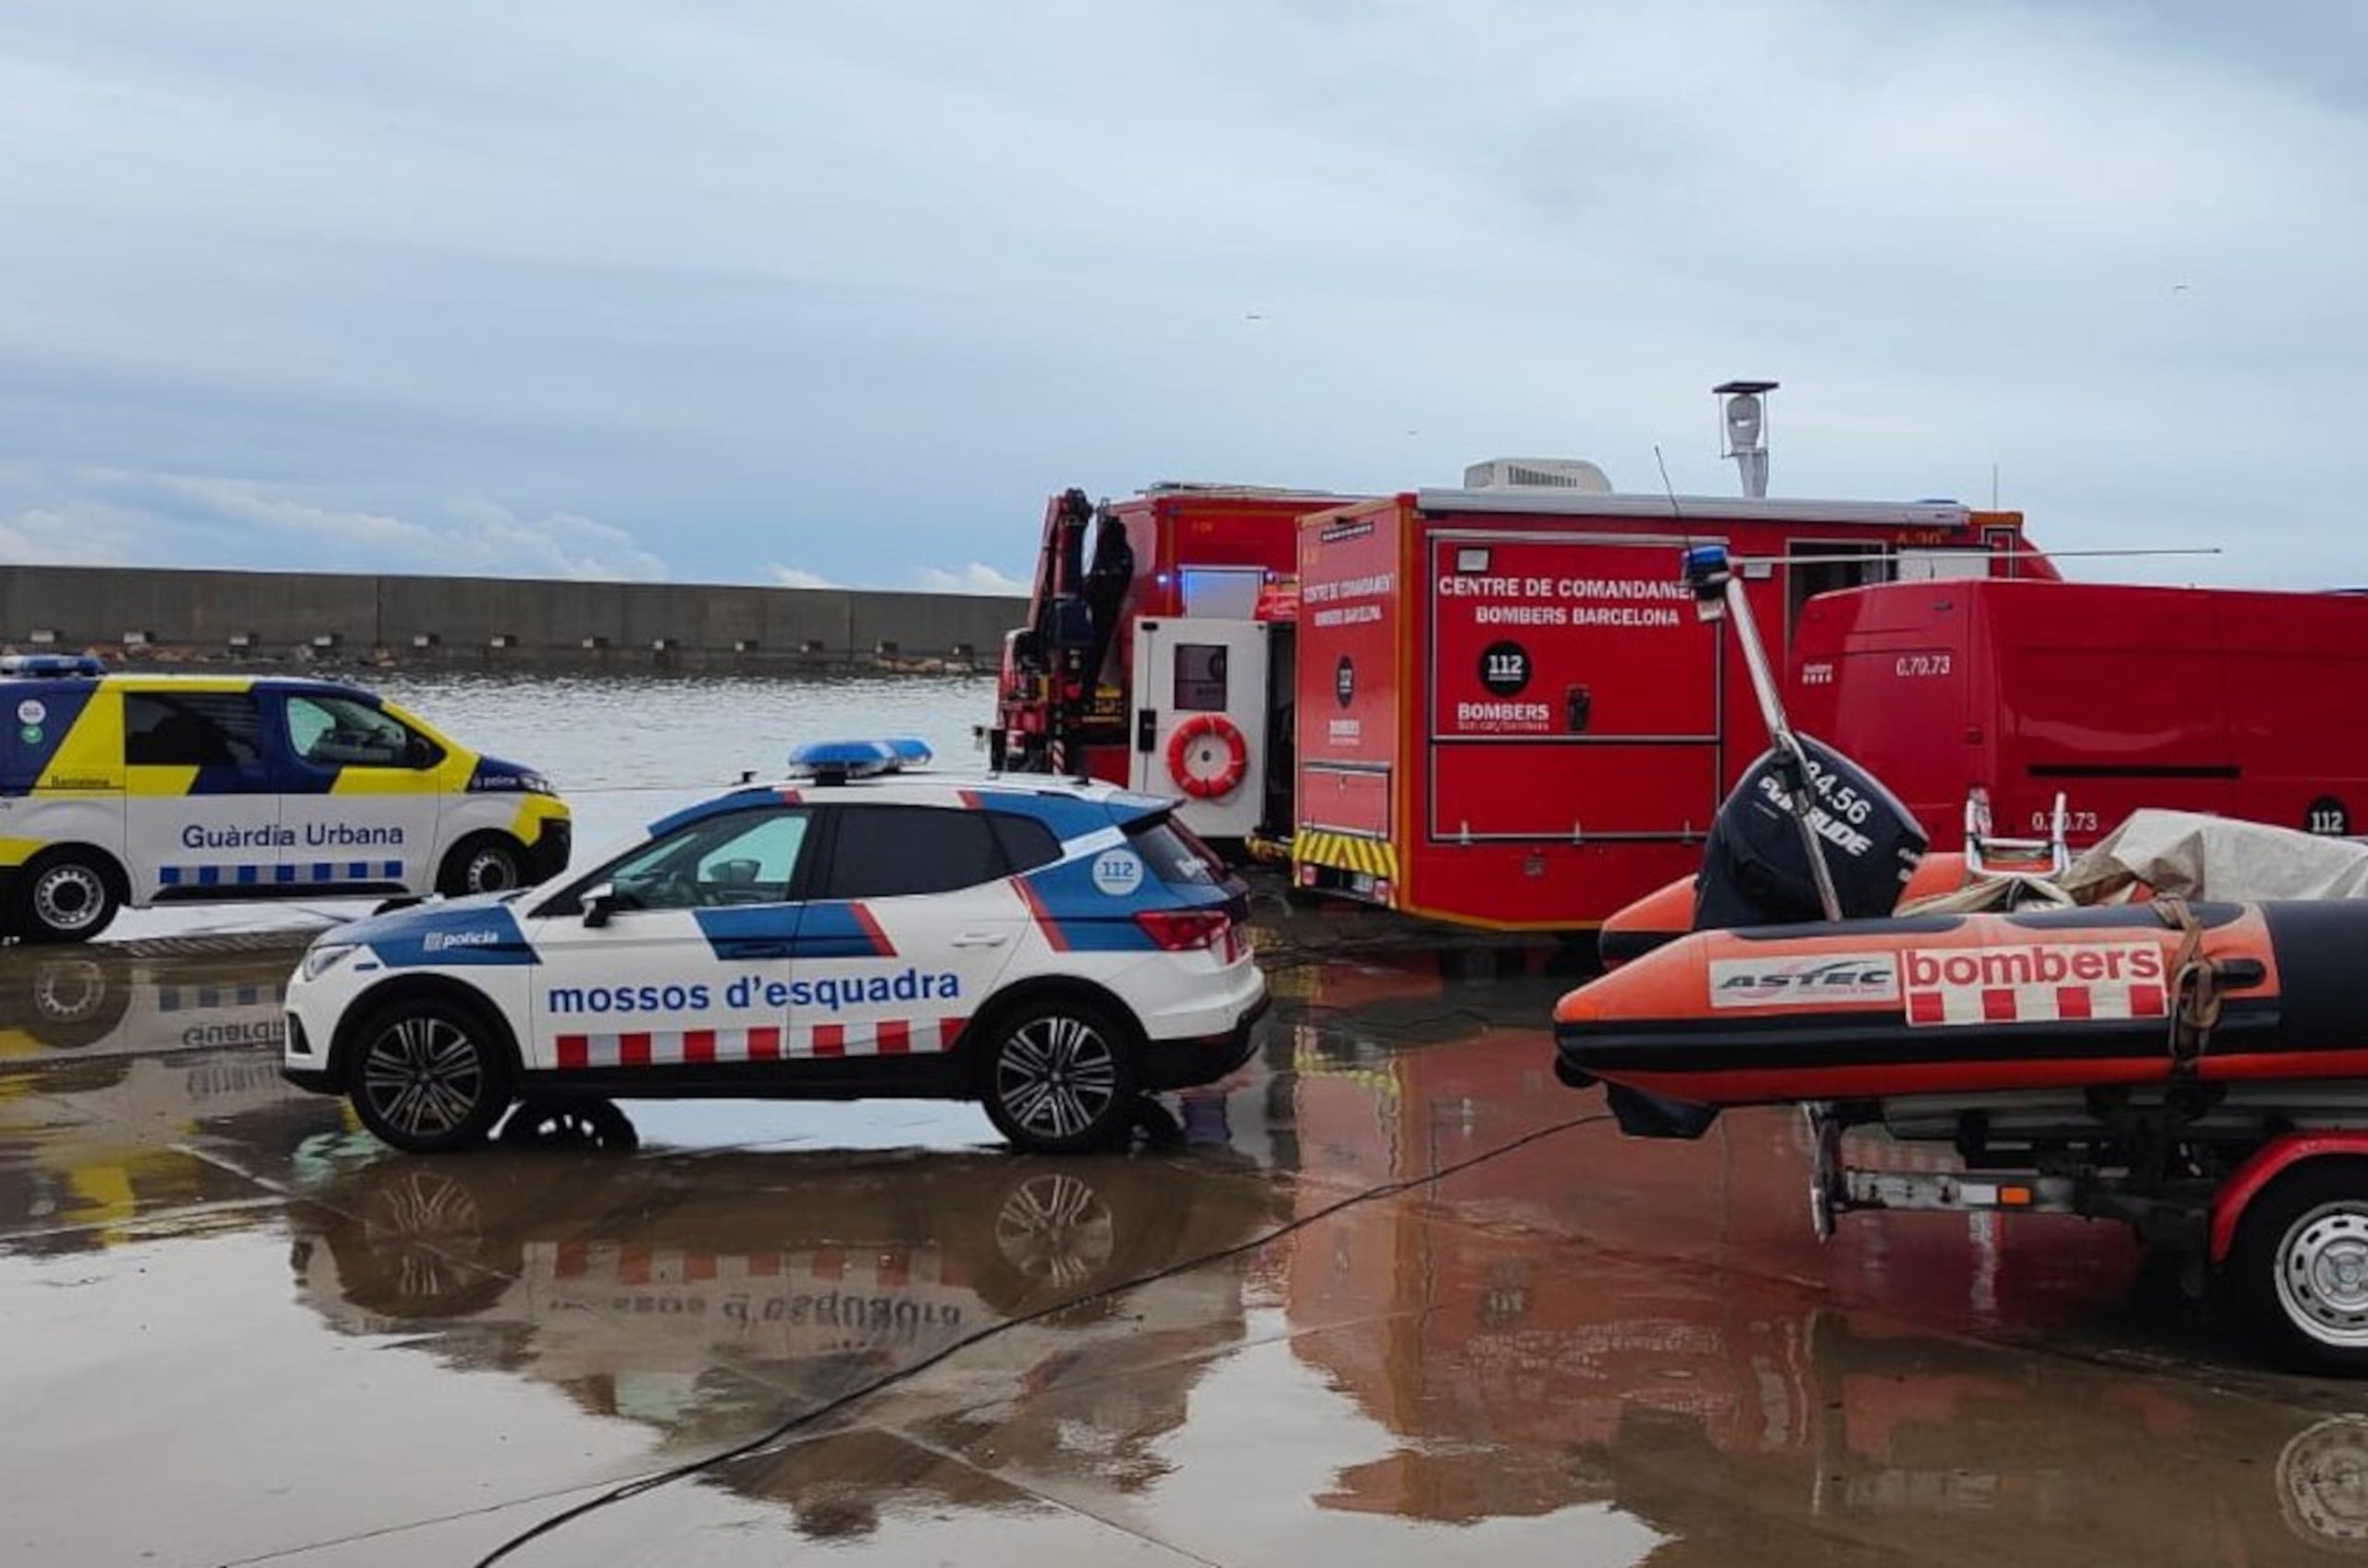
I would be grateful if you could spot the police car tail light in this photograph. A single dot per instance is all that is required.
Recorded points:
(1186, 930)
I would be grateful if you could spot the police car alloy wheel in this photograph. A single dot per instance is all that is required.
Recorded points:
(67, 895)
(428, 1076)
(1060, 1077)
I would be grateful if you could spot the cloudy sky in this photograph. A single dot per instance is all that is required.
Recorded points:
(836, 291)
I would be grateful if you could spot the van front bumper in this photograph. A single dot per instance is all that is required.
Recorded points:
(547, 855)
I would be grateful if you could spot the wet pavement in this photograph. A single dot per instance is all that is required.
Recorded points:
(239, 1331)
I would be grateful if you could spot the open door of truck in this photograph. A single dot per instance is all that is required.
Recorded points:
(1201, 721)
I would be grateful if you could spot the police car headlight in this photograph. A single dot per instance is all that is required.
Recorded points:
(534, 784)
(322, 957)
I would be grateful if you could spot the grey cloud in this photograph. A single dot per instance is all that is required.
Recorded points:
(852, 285)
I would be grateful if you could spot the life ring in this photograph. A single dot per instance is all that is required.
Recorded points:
(1226, 780)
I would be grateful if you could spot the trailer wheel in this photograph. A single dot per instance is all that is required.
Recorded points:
(2297, 1276)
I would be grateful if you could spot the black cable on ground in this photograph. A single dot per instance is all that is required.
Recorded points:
(774, 1434)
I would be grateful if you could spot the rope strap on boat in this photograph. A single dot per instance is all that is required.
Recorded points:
(2195, 987)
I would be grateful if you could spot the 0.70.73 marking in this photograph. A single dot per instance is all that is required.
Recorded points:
(1918, 666)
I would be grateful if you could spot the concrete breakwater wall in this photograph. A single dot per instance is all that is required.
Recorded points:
(140, 616)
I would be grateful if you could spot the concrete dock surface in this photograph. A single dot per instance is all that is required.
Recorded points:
(1392, 1295)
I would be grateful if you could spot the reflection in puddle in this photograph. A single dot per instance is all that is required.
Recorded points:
(1589, 1349)
(118, 998)
(628, 1280)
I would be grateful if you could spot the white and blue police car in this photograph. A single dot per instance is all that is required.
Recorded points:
(1053, 949)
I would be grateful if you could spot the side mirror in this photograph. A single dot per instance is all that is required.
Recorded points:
(600, 902)
(421, 752)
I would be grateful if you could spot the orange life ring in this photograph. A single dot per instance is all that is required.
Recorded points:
(1226, 780)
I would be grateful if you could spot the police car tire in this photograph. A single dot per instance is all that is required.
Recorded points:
(85, 875)
(461, 873)
(1058, 1075)
(420, 1032)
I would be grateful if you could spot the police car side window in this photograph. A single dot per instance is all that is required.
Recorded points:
(190, 729)
(1027, 843)
(337, 732)
(747, 857)
(894, 851)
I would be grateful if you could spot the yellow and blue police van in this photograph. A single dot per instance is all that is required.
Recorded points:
(126, 789)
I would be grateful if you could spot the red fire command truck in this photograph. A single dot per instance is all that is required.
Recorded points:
(1509, 714)
(1157, 654)
(2251, 705)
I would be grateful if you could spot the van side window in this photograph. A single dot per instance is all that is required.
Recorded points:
(890, 851)
(338, 732)
(192, 729)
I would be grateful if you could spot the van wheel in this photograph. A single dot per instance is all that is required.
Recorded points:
(427, 1075)
(486, 862)
(2297, 1276)
(1059, 1075)
(65, 896)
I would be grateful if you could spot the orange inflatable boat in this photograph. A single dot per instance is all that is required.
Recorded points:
(1977, 1004)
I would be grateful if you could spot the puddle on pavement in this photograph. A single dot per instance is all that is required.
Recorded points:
(1592, 1348)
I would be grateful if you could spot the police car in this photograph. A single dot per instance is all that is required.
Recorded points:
(148, 789)
(1053, 949)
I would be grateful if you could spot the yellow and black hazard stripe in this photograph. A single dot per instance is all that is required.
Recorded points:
(1346, 852)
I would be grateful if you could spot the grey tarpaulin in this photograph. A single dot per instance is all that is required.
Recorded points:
(2195, 855)
(2185, 854)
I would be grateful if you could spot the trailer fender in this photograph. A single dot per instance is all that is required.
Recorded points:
(2266, 1164)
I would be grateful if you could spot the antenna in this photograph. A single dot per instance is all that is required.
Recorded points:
(1994, 487)
(1667, 488)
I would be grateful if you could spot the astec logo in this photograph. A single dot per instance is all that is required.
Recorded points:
(1821, 981)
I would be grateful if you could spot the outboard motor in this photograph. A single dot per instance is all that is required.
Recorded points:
(1807, 835)
(1756, 871)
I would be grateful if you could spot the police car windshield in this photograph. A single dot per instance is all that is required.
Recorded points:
(1178, 858)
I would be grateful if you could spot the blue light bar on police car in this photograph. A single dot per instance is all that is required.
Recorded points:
(911, 751)
(842, 759)
(51, 664)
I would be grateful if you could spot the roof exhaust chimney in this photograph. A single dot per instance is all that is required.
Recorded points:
(1744, 424)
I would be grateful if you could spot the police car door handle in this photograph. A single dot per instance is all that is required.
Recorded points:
(754, 947)
(980, 938)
